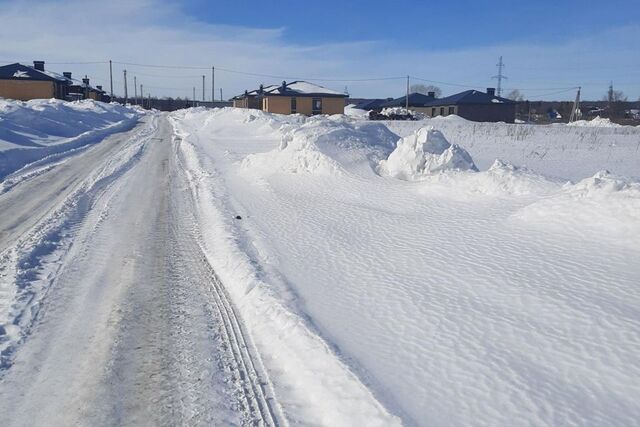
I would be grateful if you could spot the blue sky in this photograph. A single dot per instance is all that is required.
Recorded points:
(549, 47)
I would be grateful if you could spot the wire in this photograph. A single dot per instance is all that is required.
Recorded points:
(555, 93)
(445, 83)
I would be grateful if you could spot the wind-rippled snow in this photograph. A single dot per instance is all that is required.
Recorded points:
(452, 298)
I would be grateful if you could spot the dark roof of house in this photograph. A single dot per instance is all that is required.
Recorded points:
(18, 71)
(415, 100)
(370, 104)
(470, 97)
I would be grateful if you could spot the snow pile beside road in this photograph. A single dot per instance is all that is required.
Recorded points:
(424, 153)
(32, 130)
(603, 202)
(546, 149)
(595, 122)
(351, 111)
(325, 146)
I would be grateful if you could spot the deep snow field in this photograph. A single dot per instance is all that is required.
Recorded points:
(459, 289)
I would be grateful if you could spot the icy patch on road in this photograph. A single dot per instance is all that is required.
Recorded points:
(424, 153)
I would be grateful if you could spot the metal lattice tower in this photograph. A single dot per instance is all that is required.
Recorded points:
(500, 76)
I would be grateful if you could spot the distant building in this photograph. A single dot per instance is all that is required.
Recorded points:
(474, 105)
(295, 97)
(417, 102)
(23, 82)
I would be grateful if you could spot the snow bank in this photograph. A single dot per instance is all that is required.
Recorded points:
(425, 152)
(604, 203)
(351, 111)
(595, 122)
(35, 129)
(325, 146)
(569, 152)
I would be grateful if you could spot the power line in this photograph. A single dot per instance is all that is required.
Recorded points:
(446, 83)
(500, 76)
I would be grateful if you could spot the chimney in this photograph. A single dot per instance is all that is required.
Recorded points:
(491, 91)
(38, 65)
(261, 89)
(284, 86)
(67, 74)
(85, 81)
(431, 94)
(99, 87)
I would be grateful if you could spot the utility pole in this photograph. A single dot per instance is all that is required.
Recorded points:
(141, 95)
(220, 94)
(135, 91)
(500, 76)
(193, 100)
(111, 78)
(575, 111)
(203, 100)
(406, 98)
(125, 87)
(149, 103)
(213, 83)
(610, 96)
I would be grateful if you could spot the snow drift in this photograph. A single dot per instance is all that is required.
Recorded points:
(595, 122)
(32, 130)
(423, 153)
(325, 146)
(604, 203)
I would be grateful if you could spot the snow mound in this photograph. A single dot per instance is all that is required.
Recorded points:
(425, 153)
(32, 130)
(325, 146)
(504, 178)
(595, 122)
(356, 113)
(603, 203)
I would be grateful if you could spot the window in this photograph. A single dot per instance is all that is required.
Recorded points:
(433, 112)
(294, 106)
(316, 106)
(442, 111)
(452, 110)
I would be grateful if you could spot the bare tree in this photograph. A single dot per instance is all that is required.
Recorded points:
(614, 96)
(425, 89)
(515, 95)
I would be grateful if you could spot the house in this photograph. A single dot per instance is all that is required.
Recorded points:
(294, 97)
(417, 102)
(83, 90)
(23, 82)
(475, 105)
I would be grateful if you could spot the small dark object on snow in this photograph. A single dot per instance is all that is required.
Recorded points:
(238, 217)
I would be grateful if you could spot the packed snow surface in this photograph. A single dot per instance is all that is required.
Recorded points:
(498, 297)
(35, 129)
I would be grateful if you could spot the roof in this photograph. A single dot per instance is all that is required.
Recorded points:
(302, 88)
(415, 100)
(18, 71)
(371, 104)
(470, 97)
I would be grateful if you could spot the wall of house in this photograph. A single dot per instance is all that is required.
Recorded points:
(489, 112)
(277, 104)
(26, 90)
(429, 110)
(304, 105)
(332, 105)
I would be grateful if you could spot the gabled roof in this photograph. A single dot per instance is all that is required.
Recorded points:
(18, 71)
(302, 88)
(470, 97)
(371, 104)
(415, 100)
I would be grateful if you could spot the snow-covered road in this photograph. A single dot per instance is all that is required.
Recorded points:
(232, 267)
(122, 319)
